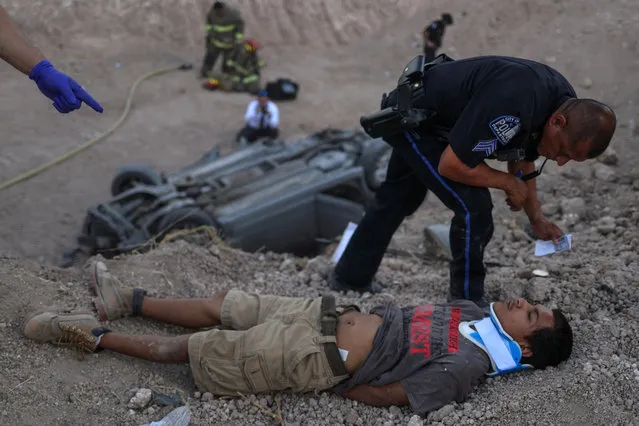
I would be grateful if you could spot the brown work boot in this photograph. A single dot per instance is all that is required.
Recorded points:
(64, 329)
(113, 300)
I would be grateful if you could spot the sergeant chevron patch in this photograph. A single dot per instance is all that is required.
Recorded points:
(488, 147)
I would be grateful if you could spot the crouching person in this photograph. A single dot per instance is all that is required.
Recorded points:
(426, 356)
(261, 120)
(241, 71)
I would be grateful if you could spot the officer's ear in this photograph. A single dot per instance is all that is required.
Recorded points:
(558, 120)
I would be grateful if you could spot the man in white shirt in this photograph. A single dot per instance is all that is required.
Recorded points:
(261, 120)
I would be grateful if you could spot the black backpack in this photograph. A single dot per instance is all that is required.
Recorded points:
(283, 89)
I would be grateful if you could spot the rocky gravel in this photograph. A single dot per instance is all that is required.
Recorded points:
(595, 283)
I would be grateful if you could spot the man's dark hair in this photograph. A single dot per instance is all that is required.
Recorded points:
(218, 5)
(550, 345)
(447, 18)
(589, 120)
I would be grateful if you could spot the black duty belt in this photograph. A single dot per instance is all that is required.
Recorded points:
(329, 319)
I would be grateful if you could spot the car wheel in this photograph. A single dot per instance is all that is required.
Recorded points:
(184, 218)
(375, 161)
(129, 176)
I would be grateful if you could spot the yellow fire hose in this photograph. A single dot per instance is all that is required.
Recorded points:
(38, 170)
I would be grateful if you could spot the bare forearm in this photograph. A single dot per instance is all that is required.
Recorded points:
(480, 176)
(14, 48)
(451, 167)
(171, 350)
(532, 206)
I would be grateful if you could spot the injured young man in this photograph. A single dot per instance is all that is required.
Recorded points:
(426, 356)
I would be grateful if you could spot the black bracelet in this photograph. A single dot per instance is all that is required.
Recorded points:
(100, 331)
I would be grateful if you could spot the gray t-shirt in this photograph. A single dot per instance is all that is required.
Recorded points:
(421, 347)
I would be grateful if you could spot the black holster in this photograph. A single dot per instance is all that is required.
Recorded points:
(400, 109)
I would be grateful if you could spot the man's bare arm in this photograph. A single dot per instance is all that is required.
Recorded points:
(451, 167)
(391, 394)
(14, 48)
(532, 206)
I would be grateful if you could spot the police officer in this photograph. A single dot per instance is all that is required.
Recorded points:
(506, 108)
(433, 35)
(67, 95)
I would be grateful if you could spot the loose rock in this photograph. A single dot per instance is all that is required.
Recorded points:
(439, 415)
(573, 206)
(395, 411)
(141, 399)
(415, 421)
(538, 289)
(609, 157)
(604, 173)
(606, 225)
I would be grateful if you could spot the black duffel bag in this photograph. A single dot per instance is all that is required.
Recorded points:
(282, 89)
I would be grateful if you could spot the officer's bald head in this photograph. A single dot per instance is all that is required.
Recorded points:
(591, 121)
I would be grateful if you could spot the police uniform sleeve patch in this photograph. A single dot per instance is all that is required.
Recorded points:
(487, 147)
(505, 128)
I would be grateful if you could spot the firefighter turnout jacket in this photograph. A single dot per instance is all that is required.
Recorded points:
(224, 32)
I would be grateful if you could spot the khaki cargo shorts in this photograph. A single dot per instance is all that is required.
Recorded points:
(276, 343)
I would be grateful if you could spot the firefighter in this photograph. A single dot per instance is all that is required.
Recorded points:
(244, 66)
(242, 70)
(224, 30)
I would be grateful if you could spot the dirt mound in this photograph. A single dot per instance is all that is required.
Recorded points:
(594, 284)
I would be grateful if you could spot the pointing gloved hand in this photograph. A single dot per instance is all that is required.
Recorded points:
(66, 94)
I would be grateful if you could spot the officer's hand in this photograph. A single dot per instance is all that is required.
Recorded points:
(66, 94)
(516, 193)
(546, 230)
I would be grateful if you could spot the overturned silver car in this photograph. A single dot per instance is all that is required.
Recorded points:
(282, 196)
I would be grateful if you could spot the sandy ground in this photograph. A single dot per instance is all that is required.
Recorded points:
(344, 54)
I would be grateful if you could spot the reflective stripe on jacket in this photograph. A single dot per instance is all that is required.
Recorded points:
(244, 65)
(223, 32)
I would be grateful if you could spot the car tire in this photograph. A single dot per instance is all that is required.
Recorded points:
(184, 218)
(374, 160)
(128, 176)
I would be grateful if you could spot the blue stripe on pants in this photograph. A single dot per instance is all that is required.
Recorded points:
(461, 202)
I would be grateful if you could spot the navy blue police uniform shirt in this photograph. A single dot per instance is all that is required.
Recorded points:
(421, 348)
(494, 103)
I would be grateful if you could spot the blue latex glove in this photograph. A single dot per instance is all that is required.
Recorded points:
(66, 94)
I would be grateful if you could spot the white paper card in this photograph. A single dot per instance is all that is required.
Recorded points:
(346, 237)
(543, 248)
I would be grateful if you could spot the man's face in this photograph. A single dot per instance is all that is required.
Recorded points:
(219, 12)
(520, 319)
(262, 100)
(554, 143)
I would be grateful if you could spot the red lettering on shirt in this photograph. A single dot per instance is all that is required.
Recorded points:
(453, 329)
(420, 330)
